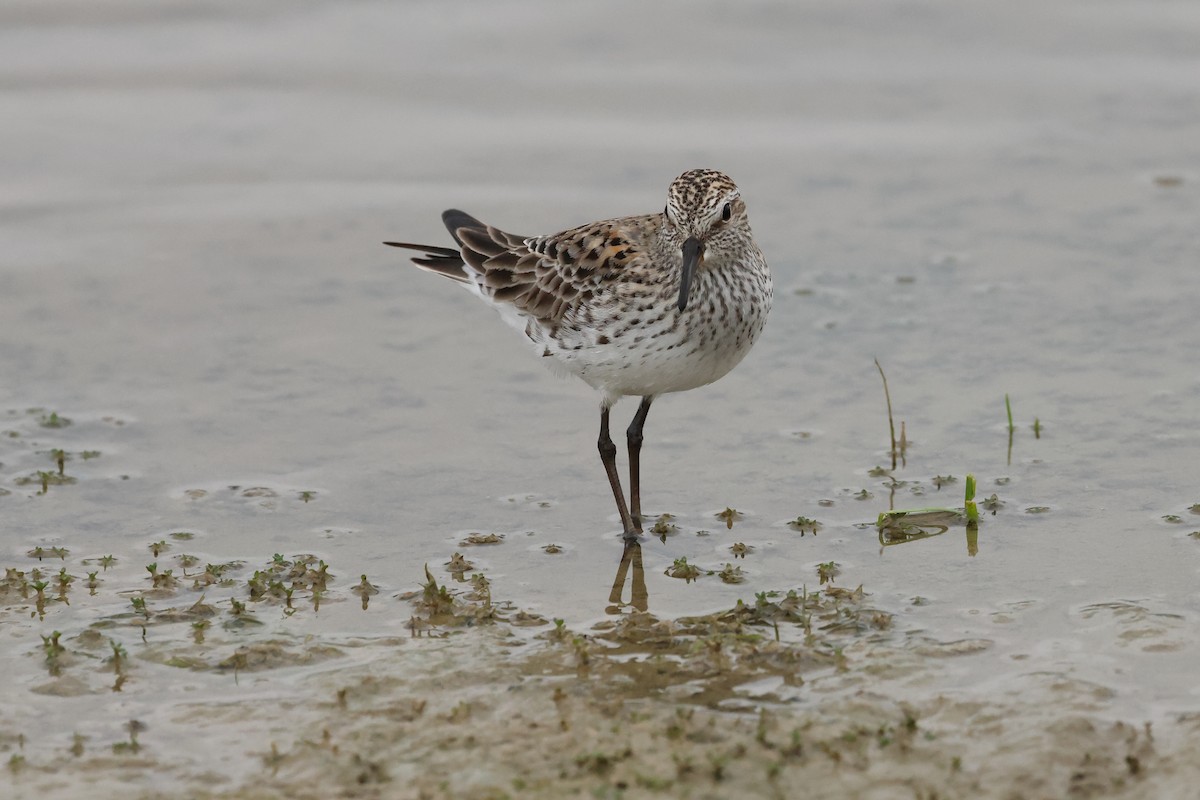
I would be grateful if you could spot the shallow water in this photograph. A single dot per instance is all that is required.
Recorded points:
(989, 200)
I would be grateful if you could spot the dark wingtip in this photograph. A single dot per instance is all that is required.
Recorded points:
(454, 219)
(429, 249)
(460, 219)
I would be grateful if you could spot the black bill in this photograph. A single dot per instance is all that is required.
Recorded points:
(693, 250)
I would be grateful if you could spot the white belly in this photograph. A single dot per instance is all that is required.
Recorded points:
(659, 350)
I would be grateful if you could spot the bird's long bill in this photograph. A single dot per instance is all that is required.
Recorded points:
(693, 249)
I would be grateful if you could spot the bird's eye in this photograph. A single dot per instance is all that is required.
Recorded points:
(727, 212)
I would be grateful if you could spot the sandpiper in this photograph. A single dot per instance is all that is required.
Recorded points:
(641, 306)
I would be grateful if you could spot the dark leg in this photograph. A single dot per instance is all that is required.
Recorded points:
(608, 455)
(634, 435)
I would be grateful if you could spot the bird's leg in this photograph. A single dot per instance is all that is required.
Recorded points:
(634, 436)
(608, 455)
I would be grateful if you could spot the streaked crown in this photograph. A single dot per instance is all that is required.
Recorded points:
(698, 191)
(706, 204)
(697, 196)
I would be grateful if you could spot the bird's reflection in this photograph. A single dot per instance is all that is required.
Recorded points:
(639, 598)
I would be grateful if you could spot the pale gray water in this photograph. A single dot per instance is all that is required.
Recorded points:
(191, 210)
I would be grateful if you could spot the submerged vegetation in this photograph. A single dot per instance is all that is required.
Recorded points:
(638, 703)
(698, 704)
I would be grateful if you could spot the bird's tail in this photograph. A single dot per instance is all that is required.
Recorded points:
(444, 260)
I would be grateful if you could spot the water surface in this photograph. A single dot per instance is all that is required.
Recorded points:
(990, 201)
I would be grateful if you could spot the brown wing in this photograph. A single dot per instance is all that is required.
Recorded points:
(541, 276)
(544, 276)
